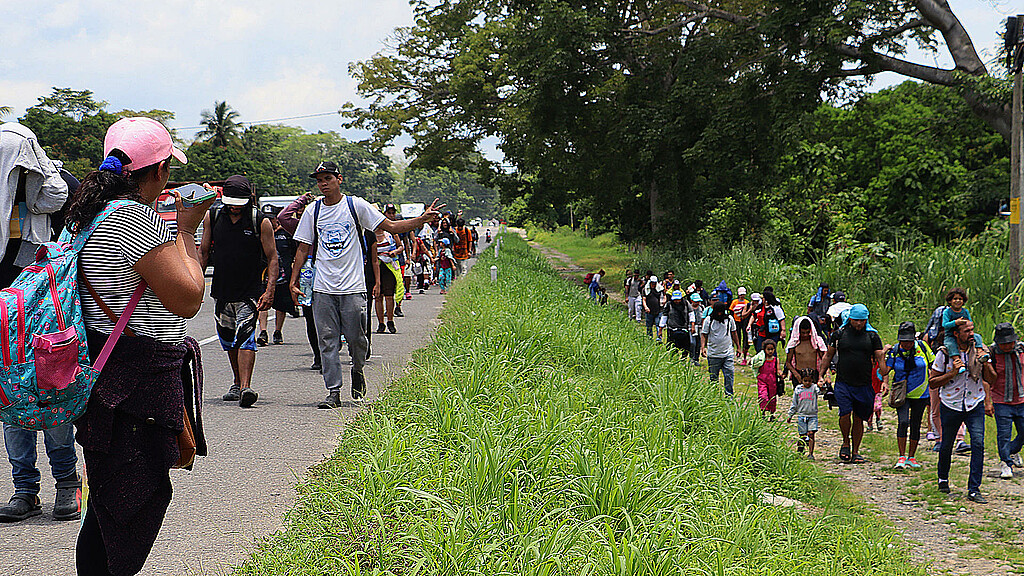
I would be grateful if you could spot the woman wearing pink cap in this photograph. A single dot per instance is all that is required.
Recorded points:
(129, 430)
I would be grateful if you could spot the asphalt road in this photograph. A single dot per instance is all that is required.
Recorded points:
(241, 491)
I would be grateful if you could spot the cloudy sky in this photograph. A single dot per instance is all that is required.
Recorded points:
(268, 59)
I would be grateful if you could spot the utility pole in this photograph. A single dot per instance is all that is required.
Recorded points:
(1014, 42)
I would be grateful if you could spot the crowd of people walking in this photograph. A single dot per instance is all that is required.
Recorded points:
(833, 353)
(336, 258)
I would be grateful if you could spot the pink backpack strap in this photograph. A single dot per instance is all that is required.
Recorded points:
(122, 323)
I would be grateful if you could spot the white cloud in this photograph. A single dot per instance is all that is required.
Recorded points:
(294, 92)
(63, 15)
(20, 94)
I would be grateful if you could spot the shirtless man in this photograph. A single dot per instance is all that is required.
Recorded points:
(802, 360)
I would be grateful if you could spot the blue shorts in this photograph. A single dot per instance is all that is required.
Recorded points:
(857, 399)
(236, 325)
(805, 424)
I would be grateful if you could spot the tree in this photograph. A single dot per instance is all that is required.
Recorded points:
(5, 110)
(221, 126)
(860, 39)
(365, 172)
(70, 126)
(657, 117)
(911, 163)
(593, 104)
(458, 190)
(75, 104)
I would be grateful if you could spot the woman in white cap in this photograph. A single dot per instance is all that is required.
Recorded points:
(651, 299)
(738, 307)
(129, 430)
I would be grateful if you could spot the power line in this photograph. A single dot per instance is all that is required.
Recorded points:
(269, 121)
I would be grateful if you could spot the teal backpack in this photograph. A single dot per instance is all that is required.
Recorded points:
(46, 377)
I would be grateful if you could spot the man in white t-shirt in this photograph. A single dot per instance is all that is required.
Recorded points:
(331, 226)
(835, 311)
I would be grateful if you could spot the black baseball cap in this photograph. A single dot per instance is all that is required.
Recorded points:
(1004, 333)
(237, 191)
(388, 207)
(325, 167)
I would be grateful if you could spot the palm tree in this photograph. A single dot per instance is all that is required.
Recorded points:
(5, 110)
(222, 128)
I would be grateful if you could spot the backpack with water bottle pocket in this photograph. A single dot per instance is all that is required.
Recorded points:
(46, 377)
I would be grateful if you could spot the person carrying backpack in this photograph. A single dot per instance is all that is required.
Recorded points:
(719, 343)
(332, 228)
(770, 319)
(239, 241)
(47, 186)
(130, 428)
(595, 284)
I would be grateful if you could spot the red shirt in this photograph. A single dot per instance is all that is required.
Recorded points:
(998, 388)
(461, 248)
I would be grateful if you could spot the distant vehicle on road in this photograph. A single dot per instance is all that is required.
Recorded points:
(280, 201)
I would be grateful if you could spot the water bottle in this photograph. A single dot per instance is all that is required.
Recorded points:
(306, 283)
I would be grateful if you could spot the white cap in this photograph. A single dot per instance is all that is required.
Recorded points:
(742, 291)
(652, 279)
(756, 296)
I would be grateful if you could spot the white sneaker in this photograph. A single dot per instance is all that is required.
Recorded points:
(1005, 471)
(1017, 461)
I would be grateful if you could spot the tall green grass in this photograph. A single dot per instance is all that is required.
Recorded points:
(539, 434)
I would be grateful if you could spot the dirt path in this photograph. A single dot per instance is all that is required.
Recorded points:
(948, 533)
(572, 272)
(951, 533)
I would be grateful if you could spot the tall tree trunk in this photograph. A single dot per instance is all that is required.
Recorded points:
(654, 194)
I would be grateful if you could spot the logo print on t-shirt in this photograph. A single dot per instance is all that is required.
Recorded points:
(336, 237)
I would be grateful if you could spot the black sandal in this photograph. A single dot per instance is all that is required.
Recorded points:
(857, 459)
(844, 454)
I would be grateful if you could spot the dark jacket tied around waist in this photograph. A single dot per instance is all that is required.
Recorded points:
(129, 438)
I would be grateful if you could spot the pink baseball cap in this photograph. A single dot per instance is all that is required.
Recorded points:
(144, 140)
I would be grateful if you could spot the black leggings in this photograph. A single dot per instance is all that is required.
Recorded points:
(909, 416)
(307, 311)
(90, 553)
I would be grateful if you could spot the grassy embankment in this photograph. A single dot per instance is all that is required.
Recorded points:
(920, 287)
(539, 434)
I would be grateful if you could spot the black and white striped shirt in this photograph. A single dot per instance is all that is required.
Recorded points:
(106, 261)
